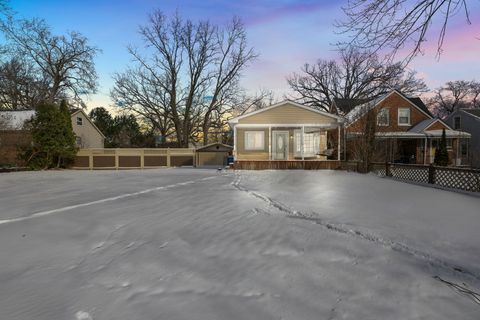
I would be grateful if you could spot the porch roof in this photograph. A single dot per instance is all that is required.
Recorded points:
(288, 113)
(420, 135)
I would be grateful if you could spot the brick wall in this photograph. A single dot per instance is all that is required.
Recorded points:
(10, 143)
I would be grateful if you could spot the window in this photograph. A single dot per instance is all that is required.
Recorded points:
(311, 144)
(403, 117)
(78, 141)
(464, 148)
(254, 140)
(383, 117)
(456, 123)
(79, 121)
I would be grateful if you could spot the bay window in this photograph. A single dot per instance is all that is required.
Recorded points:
(311, 144)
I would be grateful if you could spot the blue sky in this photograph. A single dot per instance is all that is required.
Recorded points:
(286, 33)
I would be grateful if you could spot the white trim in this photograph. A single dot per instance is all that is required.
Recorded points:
(296, 104)
(269, 142)
(291, 125)
(413, 104)
(235, 141)
(406, 134)
(468, 113)
(442, 122)
(245, 140)
(287, 143)
(89, 120)
(302, 141)
(409, 118)
(380, 101)
(338, 146)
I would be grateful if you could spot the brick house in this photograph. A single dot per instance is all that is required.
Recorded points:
(14, 137)
(405, 130)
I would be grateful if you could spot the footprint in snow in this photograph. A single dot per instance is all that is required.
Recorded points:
(82, 315)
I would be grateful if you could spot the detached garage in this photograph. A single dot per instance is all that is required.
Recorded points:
(213, 155)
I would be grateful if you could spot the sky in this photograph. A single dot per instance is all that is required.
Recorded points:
(285, 33)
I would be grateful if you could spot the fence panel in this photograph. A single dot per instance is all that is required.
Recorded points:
(448, 177)
(129, 158)
(409, 172)
(463, 179)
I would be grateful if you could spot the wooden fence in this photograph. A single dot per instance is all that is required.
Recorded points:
(448, 177)
(133, 158)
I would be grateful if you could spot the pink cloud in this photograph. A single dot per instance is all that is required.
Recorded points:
(278, 13)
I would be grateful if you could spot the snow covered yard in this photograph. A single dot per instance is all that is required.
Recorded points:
(199, 244)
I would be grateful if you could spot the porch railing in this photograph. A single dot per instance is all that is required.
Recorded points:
(448, 177)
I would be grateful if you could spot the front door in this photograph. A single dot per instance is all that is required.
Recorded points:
(280, 145)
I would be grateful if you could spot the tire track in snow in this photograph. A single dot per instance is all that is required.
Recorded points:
(360, 234)
(110, 199)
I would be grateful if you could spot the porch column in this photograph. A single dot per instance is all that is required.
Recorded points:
(270, 142)
(302, 141)
(457, 154)
(235, 141)
(338, 147)
(425, 151)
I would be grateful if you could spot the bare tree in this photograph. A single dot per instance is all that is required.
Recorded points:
(396, 24)
(356, 75)
(232, 56)
(189, 70)
(137, 91)
(18, 88)
(63, 64)
(455, 95)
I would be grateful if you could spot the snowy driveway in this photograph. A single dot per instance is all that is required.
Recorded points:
(198, 244)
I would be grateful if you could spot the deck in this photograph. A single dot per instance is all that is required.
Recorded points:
(286, 164)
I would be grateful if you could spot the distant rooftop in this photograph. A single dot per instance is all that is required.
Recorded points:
(346, 105)
(15, 119)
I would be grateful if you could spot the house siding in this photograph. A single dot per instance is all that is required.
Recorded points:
(470, 124)
(88, 134)
(11, 142)
(437, 126)
(243, 154)
(393, 102)
(287, 114)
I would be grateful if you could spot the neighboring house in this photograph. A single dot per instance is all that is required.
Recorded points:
(14, 120)
(284, 131)
(87, 134)
(406, 131)
(468, 120)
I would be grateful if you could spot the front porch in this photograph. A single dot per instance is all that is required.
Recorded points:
(420, 149)
(286, 135)
(287, 143)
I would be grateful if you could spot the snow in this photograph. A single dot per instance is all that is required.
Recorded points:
(202, 244)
